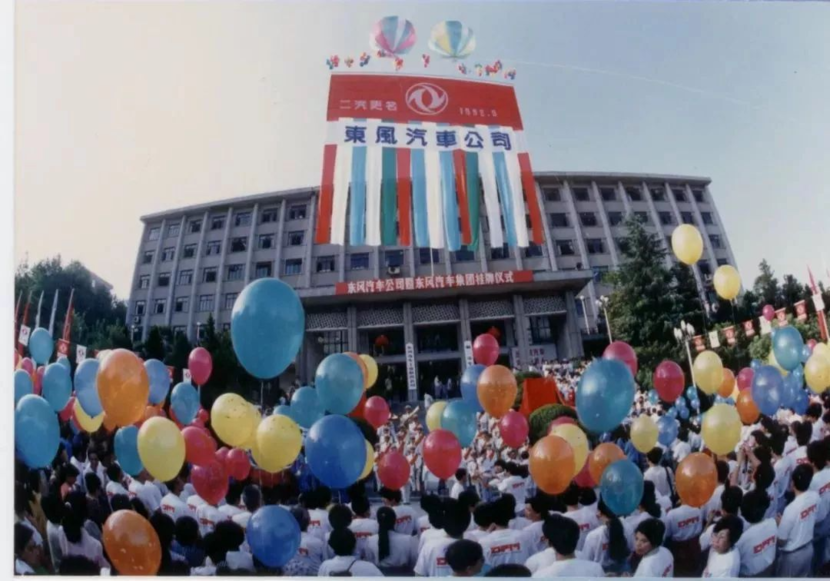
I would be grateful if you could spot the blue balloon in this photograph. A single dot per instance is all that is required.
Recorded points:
(459, 417)
(339, 382)
(767, 389)
(41, 346)
(57, 386)
(604, 395)
(86, 387)
(729, 401)
(273, 535)
(22, 385)
(787, 345)
(267, 327)
(684, 413)
(126, 450)
(755, 364)
(718, 399)
(36, 431)
(469, 385)
(621, 487)
(790, 392)
(798, 375)
(336, 451)
(159, 377)
(282, 410)
(667, 430)
(801, 403)
(653, 397)
(691, 393)
(805, 353)
(306, 407)
(672, 413)
(695, 403)
(184, 401)
(65, 362)
(680, 403)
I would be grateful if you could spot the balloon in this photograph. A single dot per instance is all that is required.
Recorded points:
(787, 346)
(273, 535)
(728, 384)
(469, 385)
(126, 450)
(695, 404)
(282, 410)
(755, 364)
(687, 244)
(41, 345)
(222, 454)
(377, 411)
(22, 385)
(200, 364)
(434, 413)
(452, 39)
(708, 372)
(514, 429)
(578, 442)
(460, 418)
(357, 411)
(798, 376)
(210, 481)
(696, 479)
(604, 395)
(306, 407)
(370, 461)
(158, 376)
(254, 420)
(644, 433)
(790, 391)
(767, 389)
(653, 397)
(36, 431)
(622, 351)
(551, 464)
(442, 453)
(231, 418)
(801, 403)
(811, 343)
(669, 380)
(371, 370)
(85, 422)
(684, 413)
(727, 282)
(184, 401)
(672, 412)
(37, 380)
(817, 371)
(621, 487)
(822, 349)
(747, 409)
(364, 372)
(485, 349)
(57, 386)
(279, 441)
(335, 451)
(744, 378)
(768, 312)
(667, 430)
(497, 389)
(131, 543)
(28, 365)
(103, 355)
(237, 464)
(63, 360)
(601, 457)
(160, 447)
(123, 387)
(393, 470)
(806, 351)
(339, 382)
(86, 386)
(721, 428)
(561, 421)
(392, 36)
(199, 447)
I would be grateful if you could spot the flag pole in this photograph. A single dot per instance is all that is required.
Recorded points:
(67, 323)
(39, 305)
(52, 316)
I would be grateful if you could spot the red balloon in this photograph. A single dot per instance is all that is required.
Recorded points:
(669, 381)
(357, 412)
(485, 349)
(200, 448)
(393, 470)
(200, 364)
(203, 415)
(376, 412)
(559, 421)
(238, 464)
(584, 478)
(514, 429)
(28, 365)
(442, 453)
(812, 344)
(37, 380)
(210, 481)
(769, 312)
(622, 351)
(222, 454)
(68, 412)
(265, 479)
(744, 378)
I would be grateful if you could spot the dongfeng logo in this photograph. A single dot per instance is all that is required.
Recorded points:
(426, 99)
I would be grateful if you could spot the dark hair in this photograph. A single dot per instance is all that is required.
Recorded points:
(75, 565)
(653, 529)
(233, 494)
(803, 433)
(655, 455)
(469, 498)
(463, 554)
(483, 515)
(73, 525)
(93, 483)
(360, 506)
(215, 548)
(649, 500)
(723, 471)
(503, 512)
(509, 570)
(813, 411)
(120, 502)
(53, 508)
(231, 533)
(734, 525)
(539, 504)
(587, 496)
(777, 443)
(731, 499)
(391, 495)
(252, 497)
(300, 514)
(340, 517)
(323, 496)
(571, 496)
(165, 528)
(342, 542)
(139, 507)
(765, 476)
(763, 454)
(67, 471)
(754, 505)
(456, 518)
(430, 502)
(617, 542)
(562, 533)
(22, 536)
(802, 476)
(187, 531)
(817, 454)
(386, 523)
(114, 472)
(461, 474)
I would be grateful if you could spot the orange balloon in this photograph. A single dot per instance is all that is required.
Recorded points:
(552, 464)
(696, 479)
(363, 367)
(728, 385)
(497, 390)
(747, 409)
(109, 424)
(123, 387)
(132, 544)
(602, 456)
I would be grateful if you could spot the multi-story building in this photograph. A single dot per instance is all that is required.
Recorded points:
(415, 309)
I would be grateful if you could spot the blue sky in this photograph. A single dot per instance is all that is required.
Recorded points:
(132, 109)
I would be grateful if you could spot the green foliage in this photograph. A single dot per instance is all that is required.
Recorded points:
(541, 418)
(153, 347)
(178, 355)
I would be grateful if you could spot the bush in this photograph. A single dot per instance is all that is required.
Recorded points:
(541, 418)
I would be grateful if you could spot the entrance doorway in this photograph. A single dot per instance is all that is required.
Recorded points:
(444, 369)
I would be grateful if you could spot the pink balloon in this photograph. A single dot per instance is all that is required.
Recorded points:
(485, 349)
(203, 415)
(669, 380)
(744, 378)
(514, 429)
(200, 364)
(210, 481)
(812, 344)
(584, 478)
(622, 351)
(37, 379)
(200, 448)
(28, 365)
(376, 411)
(393, 470)
(238, 464)
(442, 453)
(769, 312)
(222, 454)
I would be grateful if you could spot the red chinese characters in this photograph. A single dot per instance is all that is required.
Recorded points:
(433, 282)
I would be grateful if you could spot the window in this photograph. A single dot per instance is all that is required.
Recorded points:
(230, 299)
(293, 266)
(705, 269)
(464, 255)
(559, 221)
(269, 215)
(698, 196)
(266, 241)
(599, 272)
(242, 219)
(608, 194)
(552, 194)
(217, 222)
(262, 270)
(154, 233)
(581, 194)
(185, 277)
(139, 308)
(294, 238)
(164, 279)
(679, 194)
(209, 274)
(595, 246)
(205, 303)
(588, 218)
(722, 262)
(580, 309)
(540, 331)
(201, 330)
(532, 251)
(707, 218)
(642, 217)
(239, 244)
(715, 240)
(148, 257)
(236, 272)
(666, 218)
(565, 248)
(189, 251)
(615, 218)
(393, 258)
(178, 329)
(359, 261)
(195, 226)
(158, 306)
(144, 281)
(634, 194)
(214, 247)
(427, 255)
(658, 194)
(168, 254)
(325, 264)
(173, 230)
(182, 304)
(500, 253)
(297, 212)
(687, 217)
(333, 341)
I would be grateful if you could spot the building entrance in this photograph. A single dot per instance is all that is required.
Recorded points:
(443, 370)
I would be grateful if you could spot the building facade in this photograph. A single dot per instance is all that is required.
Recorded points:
(416, 310)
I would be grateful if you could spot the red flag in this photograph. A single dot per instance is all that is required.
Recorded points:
(25, 316)
(822, 320)
(801, 310)
(67, 323)
(749, 328)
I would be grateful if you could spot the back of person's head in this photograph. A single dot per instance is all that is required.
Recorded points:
(731, 499)
(562, 533)
(53, 508)
(187, 531)
(252, 497)
(93, 483)
(234, 494)
(340, 517)
(510, 500)
(22, 536)
(587, 496)
(502, 512)
(803, 433)
(66, 472)
(75, 565)
(764, 476)
(386, 518)
(649, 500)
(509, 570)
(114, 472)
(309, 499)
(754, 505)
(814, 411)
(464, 555)
(342, 542)
(120, 502)
(360, 506)
(571, 496)
(733, 524)
(324, 496)
(302, 517)
(802, 476)
(817, 454)
(215, 547)
(73, 525)
(469, 498)
(655, 456)
(231, 533)
(617, 542)
(165, 528)
(139, 507)
(777, 443)
(430, 502)
(539, 505)
(461, 474)
(456, 518)
(393, 496)
(723, 471)
(483, 515)
(762, 454)
(653, 529)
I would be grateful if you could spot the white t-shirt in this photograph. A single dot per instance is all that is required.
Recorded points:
(422, 525)
(757, 547)
(723, 565)
(798, 521)
(680, 450)
(818, 430)
(713, 504)
(147, 494)
(791, 445)
(432, 561)
(658, 563)
(541, 560)
(208, 516)
(505, 546)
(354, 566)
(242, 519)
(571, 568)
(516, 486)
(172, 506)
(405, 521)
(800, 456)
(596, 545)
(114, 488)
(683, 523)
(230, 510)
(318, 523)
(86, 547)
(784, 467)
(586, 518)
(456, 490)
(659, 475)
(310, 551)
(475, 535)
(194, 501)
(633, 520)
(430, 535)
(401, 551)
(535, 537)
(820, 484)
(363, 528)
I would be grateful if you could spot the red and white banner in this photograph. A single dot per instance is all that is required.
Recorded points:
(186, 377)
(749, 329)
(729, 333)
(714, 340)
(766, 326)
(23, 339)
(700, 343)
(781, 315)
(801, 310)
(80, 353)
(818, 302)
(63, 348)
(439, 281)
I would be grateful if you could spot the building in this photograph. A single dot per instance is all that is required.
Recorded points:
(416, 310)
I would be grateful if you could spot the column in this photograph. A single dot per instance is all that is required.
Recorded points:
(220, 271)
(606, 226)
(409, 337)
(279, 242)
(679, 220)
(482, 248)
(707, 244)
(573, 338)
(410, 250)
(466, 333)
(546, 225)
(447, 261)
(309, 242)
(200, 250)
(583, 251)
(133, 292)
(624, 197)
(521, 323)
(174, 273)
(721, 227)
(351, 318)
(251, 240)
(376, 255)
(149, 296)
(658, 225)
(517, 254)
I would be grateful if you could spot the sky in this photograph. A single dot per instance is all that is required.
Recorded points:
(129, 108)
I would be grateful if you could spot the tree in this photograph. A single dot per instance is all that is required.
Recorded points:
(179, 355)
(793, 291)
(766, 286)
(688, 304)
(153, 348)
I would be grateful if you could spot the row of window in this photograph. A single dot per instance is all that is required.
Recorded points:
(214, 247)
(597, 245)
(241, 218)
(633, 193)
(182, 304)
(589, 219)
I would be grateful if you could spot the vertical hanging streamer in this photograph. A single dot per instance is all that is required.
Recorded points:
(514, 179)
(529, 186)
(491, 198)
(435, 208)
(473, 197)
(357, 204)
(340, 198)
(506, 197)
(450, 202)
(419, 197)
(389, 200)
(459, 158)
(323, 233)
(404, 195)
(374, 169)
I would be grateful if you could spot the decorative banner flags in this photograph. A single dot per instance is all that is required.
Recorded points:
(766, 327)
(411, 369)
(749, 329)
(170, 371)
(801, 310)
(714, 341)
(186, 377)
(80, 353)
(424, 283)
(781, 315)
(23, 339)
(818, 302)
(468, 354)
(700, 345)
(729, 333)
(63, 348)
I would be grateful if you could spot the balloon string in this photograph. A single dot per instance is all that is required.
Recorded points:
(261, 396)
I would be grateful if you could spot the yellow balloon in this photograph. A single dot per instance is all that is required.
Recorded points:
(370, 461)
(721, 428)
(103, 355)
(644, 434)
(816, 372)
(434, 415)
(771, 360)
(727, 282)
(687, 244)
(254, 420)
(371, 369)
(578, 441)
(85, 421)
(708, 372)
(231, 419)
(161, 448)
(278, 441)
(822, 350)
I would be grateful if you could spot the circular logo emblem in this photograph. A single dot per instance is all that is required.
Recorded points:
(426, 99)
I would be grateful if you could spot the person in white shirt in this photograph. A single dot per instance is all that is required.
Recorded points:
(340, 517)
(724, 559)
(315, 501)
(683, 527)
(796, 527)
(584, 516)
(208, 517)
(232, 498)
(431, 561)
(252, 499)
(406, 515)
(171, 503)
(504, 545)
(803, 435)
(657, 561)
(731, 499)
(609, 544)
(363, 525)
(483, 520)
(466, 559)
(817, 453)
(76, 541)
(458, 486)
(680, 447)
(144, 490)
(310, 551)
(343, 543)
(429, 502)
(757, 545)
(392, 552)
(115, 486)
(783, 466)
(813, 417)
(660, 475)
(648, 509)
(536, 511)
(713, 505)
(563, 535)
(94, 465)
